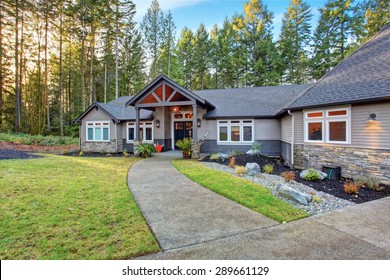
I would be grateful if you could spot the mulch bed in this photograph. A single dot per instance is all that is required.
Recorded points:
(335, 188)
(77, 154)
(15, 154)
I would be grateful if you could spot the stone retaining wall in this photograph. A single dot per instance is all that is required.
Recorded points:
(99, 147)
(353, 161)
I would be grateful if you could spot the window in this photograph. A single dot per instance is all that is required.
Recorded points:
(146, 132)
(98, 131)
(330, 126)
(235, 131)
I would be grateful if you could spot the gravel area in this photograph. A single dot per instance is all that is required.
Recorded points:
(327, 201)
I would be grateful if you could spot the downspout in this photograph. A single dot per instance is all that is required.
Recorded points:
(80, 126)
(292, 136)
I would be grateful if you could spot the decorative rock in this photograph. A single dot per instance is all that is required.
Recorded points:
(222, 156)
(323, 175)
(252, 168)
(290, 193)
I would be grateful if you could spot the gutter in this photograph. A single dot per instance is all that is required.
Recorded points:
(292, 136)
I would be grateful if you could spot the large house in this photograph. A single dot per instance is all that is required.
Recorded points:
(343, 119)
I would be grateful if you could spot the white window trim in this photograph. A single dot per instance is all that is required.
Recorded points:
(229, 125)
(87, 124)
(141, 125)
(326, 119)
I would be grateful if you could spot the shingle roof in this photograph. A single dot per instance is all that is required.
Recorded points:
(118, 109)
(265, 101)
(361, 77)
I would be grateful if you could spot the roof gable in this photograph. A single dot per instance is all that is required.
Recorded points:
(163, 92)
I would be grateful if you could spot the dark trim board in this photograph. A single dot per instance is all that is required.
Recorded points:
(268, 147)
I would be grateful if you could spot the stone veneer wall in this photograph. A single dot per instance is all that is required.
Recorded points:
(353, 161)
(99, 147)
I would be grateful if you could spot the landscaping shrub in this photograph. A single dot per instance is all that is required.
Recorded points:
(232, 162)
(108, 155)
(240, 170)
(268, 168)
(184, 145)
(145, 150)
(126, 153)
(288, 175)
(239, 152)
(255, 149)
(316, 199)
(351, 188)
(81, 154)
(368, 181)
(312, 175)
(65, 152)
(41, 140)
(214, 156)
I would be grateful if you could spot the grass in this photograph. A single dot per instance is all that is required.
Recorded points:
(37, 139)
(240, 190)
(60, 207)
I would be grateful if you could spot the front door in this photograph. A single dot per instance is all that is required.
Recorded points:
(182, 130)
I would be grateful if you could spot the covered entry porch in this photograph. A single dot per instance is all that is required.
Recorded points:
(178, 113)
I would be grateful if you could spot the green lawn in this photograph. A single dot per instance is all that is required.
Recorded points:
(240, 190)
(60, 207)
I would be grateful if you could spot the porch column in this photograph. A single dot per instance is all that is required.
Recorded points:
(137, 139)
(195, 147)
(138, 136)
(194, 122)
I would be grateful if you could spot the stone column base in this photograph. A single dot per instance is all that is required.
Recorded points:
(195, 149)
(136, 143)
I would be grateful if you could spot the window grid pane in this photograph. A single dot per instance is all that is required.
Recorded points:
(338, 131)
(98, 134)
(90, 133)
(223, 133)
(235, 134)
(130, 133)
(247, 133)
(148, 132)
(105, 134)
(315, 131)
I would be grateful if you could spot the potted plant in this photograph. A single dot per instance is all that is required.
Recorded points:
(158, 147)
(185, 146)
(145, 150)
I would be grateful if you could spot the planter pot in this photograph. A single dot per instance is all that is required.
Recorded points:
(186, 154)
(159, 148)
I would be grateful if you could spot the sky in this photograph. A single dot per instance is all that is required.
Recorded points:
(192, 13)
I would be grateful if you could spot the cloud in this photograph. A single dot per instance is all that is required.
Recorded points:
(143, 5)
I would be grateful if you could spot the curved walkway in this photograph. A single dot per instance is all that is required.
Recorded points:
(191, 222)
(180, 212)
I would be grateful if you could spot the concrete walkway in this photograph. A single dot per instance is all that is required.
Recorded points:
(191, 222)
(180, 212)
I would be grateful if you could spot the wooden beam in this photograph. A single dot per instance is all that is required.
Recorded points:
(172, 95)
(167, 104)
(157, 98)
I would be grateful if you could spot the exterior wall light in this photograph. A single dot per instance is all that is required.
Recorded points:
(372, 117)
(158, 123)
(176, 109)
(199, 122)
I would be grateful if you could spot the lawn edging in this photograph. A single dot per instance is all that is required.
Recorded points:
(240, 190)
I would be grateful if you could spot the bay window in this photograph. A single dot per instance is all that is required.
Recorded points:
(329, 126)
(98, 131)
(235, 131)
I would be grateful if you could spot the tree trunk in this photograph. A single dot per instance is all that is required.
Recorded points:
(21, 67)
(116, 53)
(83, 56)
(46, 73)
(17, 110)
(105, 80)
(92, 50)
(60, 85)
(1, 65)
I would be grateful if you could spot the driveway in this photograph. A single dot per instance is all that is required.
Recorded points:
(191, 222)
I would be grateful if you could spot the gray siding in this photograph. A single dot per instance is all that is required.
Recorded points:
(96, 115)
(364, 134)
(267, 129)
(286, 129)
(374, 135)
(285, 151)
(268, 147)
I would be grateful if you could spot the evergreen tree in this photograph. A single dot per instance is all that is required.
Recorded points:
(294, 42)
(201, 57)
(152, 29)
(185, 55)
(167, 44)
